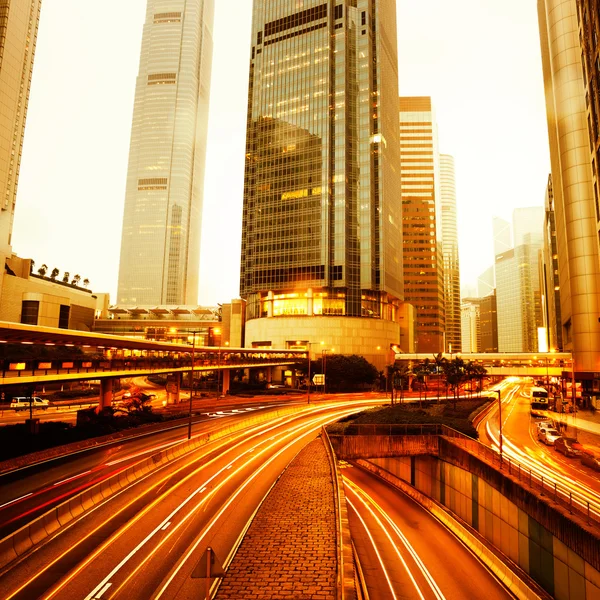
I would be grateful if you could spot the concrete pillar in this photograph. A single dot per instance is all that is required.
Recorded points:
(173, 388)
(269, 374)
(269, 303)
(225, 379)
(309, 298)
(106, 393)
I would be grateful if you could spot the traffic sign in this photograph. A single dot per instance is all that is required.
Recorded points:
(202, 571)
(319, 379)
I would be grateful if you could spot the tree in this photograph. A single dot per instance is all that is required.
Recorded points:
(86, 282)
(76, 280)
(455, 375)
(42, 270)
(399, 375)
(349, 372)
(54, 273)
(31, 265)
(66, 276)
(439, 361)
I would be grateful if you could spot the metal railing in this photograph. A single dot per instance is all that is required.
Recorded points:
(531, 478)
(345, 575)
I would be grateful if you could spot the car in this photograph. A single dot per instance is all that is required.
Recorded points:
(548, 436)
(275, 386)
(568, 446)
(24, 402)
(589, 458)
(545, 425)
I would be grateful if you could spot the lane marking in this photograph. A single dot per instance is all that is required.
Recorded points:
(15, 500)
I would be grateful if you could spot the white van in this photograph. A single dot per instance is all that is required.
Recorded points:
(23, 402)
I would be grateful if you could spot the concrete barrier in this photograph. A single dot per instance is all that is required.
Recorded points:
(21, 541)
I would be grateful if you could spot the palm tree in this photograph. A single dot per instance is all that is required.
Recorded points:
(31, 265)
(54, 273)
(439, 360)
(42, 270)
(86, 282)
(66, 276)
(76, 280)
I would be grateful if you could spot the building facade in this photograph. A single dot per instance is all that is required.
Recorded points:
(160, 246)
(421, 222)
(488, 323)
(549, 277)
(19, 21)
(450, 253)
(321, 255)
(568, 47)
(471, 326)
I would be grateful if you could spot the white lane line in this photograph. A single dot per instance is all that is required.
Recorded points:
(165, 526)
(15, 500)
(99, 594)
(74, 477)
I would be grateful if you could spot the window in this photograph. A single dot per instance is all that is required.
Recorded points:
(29, 312)
(339, 12)
(63, 317)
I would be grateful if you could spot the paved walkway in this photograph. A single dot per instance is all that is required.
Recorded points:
(289, 551)
(584, 420)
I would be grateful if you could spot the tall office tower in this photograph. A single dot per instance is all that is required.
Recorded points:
(160, 245)
(488, 323)
(470, 325)
(421, 222)
(528, 224)
(502, 237)
(549, 279)
(19, 21)
(588, 15)
(486, 283)
(450, 253)
(509, 301)
(321, 258)
(572, 140)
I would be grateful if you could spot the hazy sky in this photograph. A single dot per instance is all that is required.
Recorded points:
(478, 59)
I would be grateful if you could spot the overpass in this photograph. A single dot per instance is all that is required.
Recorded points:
(107, 357)
(521, 364)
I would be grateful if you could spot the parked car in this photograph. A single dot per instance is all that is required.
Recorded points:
(589, 458)
(548, 436)
(568, 446)
(545, 425)
(23, 403)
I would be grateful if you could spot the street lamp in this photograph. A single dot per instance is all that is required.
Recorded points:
(217, 331)
(324, 365)
(194, 333)
(500, 419)
(307, 344)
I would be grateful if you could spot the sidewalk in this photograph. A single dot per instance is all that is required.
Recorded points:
(289, 551)
(584, 420)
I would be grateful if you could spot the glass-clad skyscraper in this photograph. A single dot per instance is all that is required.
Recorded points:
(160, 245)
(322, 220)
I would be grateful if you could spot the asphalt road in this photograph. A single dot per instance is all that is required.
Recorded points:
(405, 552)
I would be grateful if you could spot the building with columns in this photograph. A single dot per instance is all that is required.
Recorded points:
(321, 260)
(568, 36)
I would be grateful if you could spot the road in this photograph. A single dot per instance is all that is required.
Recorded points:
(144, 541)
(405, 552)
(520, 444)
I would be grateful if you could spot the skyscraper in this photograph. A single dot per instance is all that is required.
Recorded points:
(502, 237)
(321, 255)
(421, 221)
(160, 244)
(19, 21)
(450, 253)
(566, 43)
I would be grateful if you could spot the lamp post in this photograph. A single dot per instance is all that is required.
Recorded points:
(307, 345)
(500, 420)
(194, 333)
(324, 364)
(218, 332)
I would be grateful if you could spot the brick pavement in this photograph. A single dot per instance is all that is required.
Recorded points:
(289, 551)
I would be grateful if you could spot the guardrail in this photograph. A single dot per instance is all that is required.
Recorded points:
(345, 573)
(532, 478)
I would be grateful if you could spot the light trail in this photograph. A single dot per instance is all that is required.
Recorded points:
(377, 553)
(364, 497)
(259, 432)
(255, 474)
